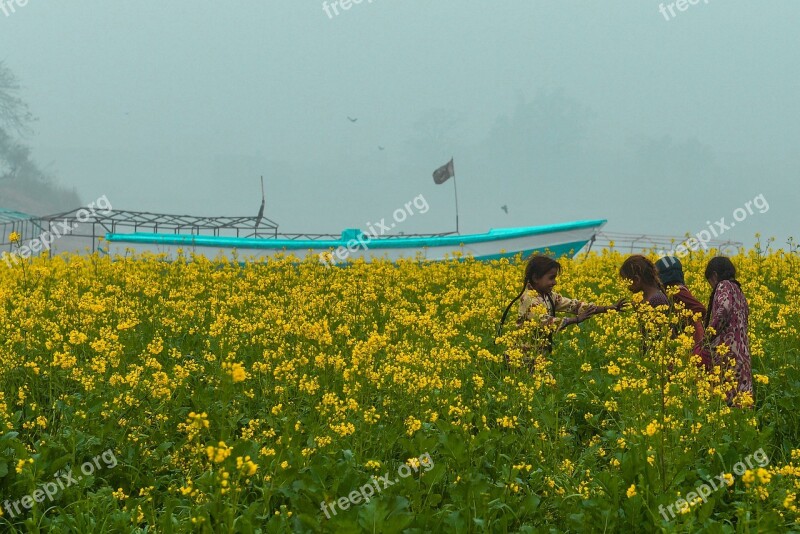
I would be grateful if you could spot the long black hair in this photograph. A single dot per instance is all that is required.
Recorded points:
(725, 270)
(538, 266)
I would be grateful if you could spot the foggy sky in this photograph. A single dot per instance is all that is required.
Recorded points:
(560, 110)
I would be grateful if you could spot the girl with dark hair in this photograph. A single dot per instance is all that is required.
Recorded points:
(541, 273)
(643, 278)
(728, 315)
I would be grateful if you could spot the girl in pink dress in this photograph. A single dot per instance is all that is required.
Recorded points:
(728, 315)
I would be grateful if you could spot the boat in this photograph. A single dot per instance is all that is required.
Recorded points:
(113, 232)
(564, 239)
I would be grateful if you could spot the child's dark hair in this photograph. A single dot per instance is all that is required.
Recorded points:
(725, 270)
(721, 266)
(639, 266)
(538, 266)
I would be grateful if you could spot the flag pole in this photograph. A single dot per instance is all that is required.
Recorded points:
(455, 191)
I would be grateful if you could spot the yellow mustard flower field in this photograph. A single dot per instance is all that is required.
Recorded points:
(144, 395)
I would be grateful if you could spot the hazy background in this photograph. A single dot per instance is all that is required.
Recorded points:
(560, 110)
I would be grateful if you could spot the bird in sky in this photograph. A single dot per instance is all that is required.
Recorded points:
(351, 119)
(504, 208)
(380, 147)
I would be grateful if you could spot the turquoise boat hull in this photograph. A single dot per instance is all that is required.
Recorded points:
(563, 239)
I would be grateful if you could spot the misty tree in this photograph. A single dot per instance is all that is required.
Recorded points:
(23, 185)
(14, 112)
(544, 133)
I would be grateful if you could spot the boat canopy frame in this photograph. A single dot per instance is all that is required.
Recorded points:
(94, 224)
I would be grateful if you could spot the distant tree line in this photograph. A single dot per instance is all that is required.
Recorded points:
(23, 185)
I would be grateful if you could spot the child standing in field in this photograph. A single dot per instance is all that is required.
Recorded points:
(538, 302)
(728, 315)
(643, 278)
(670, 272)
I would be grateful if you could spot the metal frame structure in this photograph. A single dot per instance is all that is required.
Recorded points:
(85, 223)
(91, 225)
(660, 243)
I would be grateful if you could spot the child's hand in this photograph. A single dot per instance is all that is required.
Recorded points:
(620, 304)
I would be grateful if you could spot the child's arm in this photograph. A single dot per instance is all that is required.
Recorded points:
(621, 303)
(581, 310)
(573, 306)
(535, 308)
(578, 319)
(690, 302)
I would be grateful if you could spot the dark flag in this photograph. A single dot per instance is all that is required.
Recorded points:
(444, 173)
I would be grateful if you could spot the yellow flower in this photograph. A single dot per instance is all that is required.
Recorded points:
(21, 464)
(763, 475)
(218, 454)
(478, 381)
(236, 371)
(507, 422)
(413, 462)
(631, 491)
(652, 428)
(246, 466)
(14, 237)
(412, 425)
